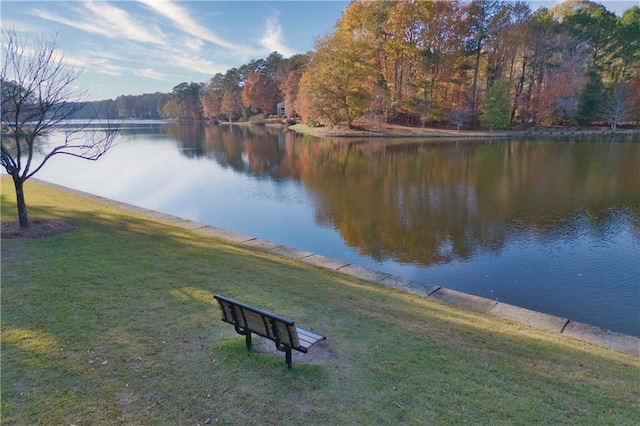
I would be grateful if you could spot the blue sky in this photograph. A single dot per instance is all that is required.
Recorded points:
(135, 47)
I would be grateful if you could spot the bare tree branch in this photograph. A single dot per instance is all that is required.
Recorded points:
(39, 95)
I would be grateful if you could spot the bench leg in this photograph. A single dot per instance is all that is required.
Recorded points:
(288, 357)
(248, 340)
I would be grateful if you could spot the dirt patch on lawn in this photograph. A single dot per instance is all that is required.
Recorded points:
(36, 229)
(318, 353)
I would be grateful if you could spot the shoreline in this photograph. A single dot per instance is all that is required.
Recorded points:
(564, 326)
(396, 131)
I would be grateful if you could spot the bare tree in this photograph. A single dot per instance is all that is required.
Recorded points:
(617, 108)
(458, 115)
(39, 94)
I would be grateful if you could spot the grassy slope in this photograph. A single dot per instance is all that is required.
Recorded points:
(116, 324)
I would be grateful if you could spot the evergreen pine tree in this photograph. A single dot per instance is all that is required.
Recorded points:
(591, 100)
(496, 106)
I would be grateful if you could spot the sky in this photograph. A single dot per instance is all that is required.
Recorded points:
(145, 46)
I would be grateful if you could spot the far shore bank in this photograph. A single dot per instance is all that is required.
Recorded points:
(396, 131)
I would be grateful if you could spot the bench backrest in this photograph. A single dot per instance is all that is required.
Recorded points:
(247, 318)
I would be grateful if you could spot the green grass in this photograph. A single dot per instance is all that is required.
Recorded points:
(115, 323)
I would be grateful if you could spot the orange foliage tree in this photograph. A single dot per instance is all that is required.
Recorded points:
(260, 93)
(231, 105)
(211, 97)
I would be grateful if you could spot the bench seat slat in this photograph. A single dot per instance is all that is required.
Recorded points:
(309, 334)
(308, 338)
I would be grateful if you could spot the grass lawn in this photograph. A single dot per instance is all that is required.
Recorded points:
(115, 323)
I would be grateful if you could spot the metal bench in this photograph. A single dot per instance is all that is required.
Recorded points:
(247, 319)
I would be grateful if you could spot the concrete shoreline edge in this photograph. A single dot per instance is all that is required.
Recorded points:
(599, 336)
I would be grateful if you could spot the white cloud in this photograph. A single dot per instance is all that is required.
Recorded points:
(98, 61)
(151, 73)
(102, 66)
(194, 44)
(106, 20)
(22, 27)
(272, 40)
(199, 65)
(185, 23)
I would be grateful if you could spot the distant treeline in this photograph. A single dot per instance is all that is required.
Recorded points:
(147, 106)
(448, 63)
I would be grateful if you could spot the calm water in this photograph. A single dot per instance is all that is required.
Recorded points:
(550, 226)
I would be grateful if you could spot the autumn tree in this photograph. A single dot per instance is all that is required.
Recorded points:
(483, 21)
(401, 50)
(211, 97)
(171, 109)
(539, 58)
(288, 80)
(556, 98)
(504, 47)
(185, 99)
(289, 90)
(334, 86)
(39, 92)
(633, 100)
(231, 105)
(260, 93)
(439, 73)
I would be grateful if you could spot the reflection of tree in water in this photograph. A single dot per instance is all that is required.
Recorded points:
(190, 138)
(255, 150)
(433, 202)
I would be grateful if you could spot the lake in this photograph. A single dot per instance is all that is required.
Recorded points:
(552, 226)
